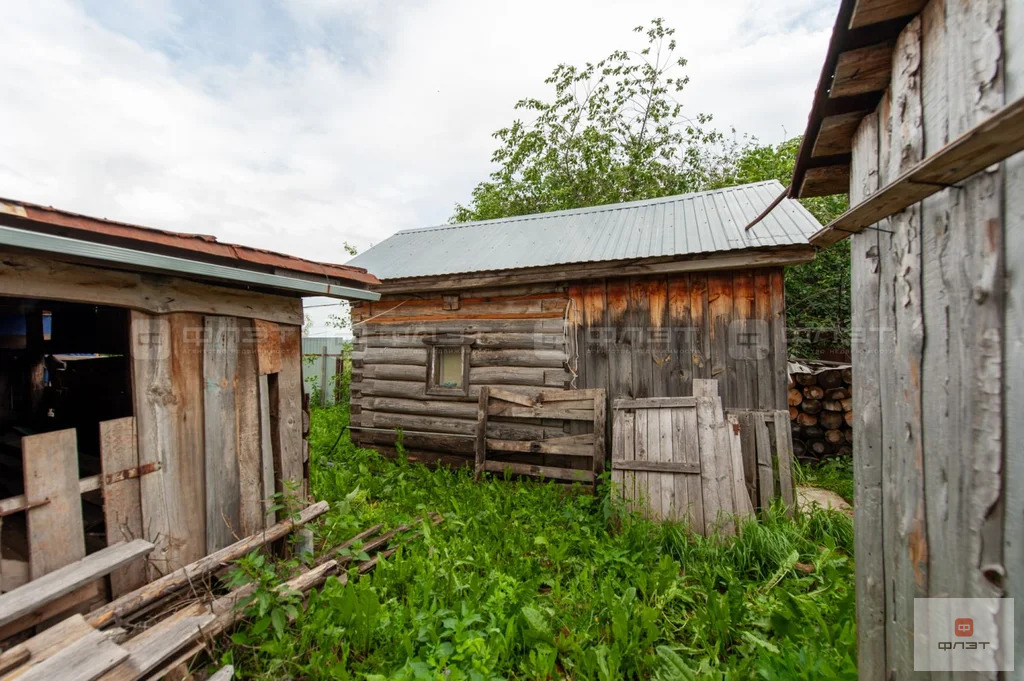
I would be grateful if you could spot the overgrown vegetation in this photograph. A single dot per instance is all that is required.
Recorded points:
(526, 580)
(616, 130)
(833, 474)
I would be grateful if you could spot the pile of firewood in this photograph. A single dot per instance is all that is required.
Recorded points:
(821, 412)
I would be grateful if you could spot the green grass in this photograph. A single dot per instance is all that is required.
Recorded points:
(528, 580)
(833, 474)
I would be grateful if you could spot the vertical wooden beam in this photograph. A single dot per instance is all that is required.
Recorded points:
(680, 327)
(55, 530)
(766, 478)
(267, 476)
(784, 451)
(250, 435)
(323, 377)
(480, 447)
(167, 371)
(600, 432)
(767, 390)
(867, 427)
(1013, 353)
(903, 488)
(268, 346)
(720, 315)
(286, 413)
(780, 354)
(122, 503)
(220, 373)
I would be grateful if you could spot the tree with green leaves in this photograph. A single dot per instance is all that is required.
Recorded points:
(615, 130)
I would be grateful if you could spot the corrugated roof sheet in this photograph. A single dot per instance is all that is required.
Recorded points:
(688, 224)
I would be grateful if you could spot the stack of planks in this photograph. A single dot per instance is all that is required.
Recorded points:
(164, 625)
(821, 412)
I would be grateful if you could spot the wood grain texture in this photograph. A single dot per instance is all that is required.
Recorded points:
(286, 414)
(55, 530)
(44, 645)
(220, 378)
(86, 659)
(122, 502)
(268, 346)
(250, 435)
(865, 69)
(29, 276)
(167, 361)
(67, 579)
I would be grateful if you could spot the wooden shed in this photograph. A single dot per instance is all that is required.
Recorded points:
(150, 387)
(918, 114)
(634, 298)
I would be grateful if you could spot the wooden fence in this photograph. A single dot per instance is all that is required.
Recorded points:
(547, 405)
(683, 458)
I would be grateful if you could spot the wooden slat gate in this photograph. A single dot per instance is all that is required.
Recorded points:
(585, 453)
(677, 458)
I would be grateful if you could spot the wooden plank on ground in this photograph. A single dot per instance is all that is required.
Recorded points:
(79, 600)
(766, 478)
(784, 449)
(55, 530)
(122, 503)
(67, 579)
(45, 644)
(159, 642)
(250, 441)
(84, 660)
(223, 674)
(220, 372)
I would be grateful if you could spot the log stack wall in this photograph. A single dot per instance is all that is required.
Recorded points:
(634, 337)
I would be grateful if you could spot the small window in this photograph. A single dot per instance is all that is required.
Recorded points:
(448, 367)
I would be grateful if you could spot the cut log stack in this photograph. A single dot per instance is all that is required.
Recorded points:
(821, 410)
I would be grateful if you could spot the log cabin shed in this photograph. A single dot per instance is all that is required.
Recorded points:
(636, 298)
(150, 387)
(919, 116)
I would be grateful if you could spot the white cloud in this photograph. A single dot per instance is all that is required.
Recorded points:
(324, 121)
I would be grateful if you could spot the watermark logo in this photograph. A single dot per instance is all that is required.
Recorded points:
(963, 626)
(963, 634)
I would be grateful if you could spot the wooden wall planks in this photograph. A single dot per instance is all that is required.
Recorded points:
(932, 354)
(167, 360)
(221, 343)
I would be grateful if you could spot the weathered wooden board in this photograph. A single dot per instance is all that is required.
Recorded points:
(64, 580)
(86, 659)
(220, 377)
(122, 503)
(159, 642)
(55, 530)
(167, 361)
(250, 436)
(286, 414)
(45, 644)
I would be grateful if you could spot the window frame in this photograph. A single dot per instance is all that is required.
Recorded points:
(433, 344)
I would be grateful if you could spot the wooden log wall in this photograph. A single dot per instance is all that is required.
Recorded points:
(937, 344)
(518, 343)
(651, 336)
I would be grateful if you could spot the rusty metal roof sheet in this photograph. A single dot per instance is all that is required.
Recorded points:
(687, 224)
(195, 246)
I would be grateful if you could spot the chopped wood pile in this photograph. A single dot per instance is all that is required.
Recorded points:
(821, 411)
(165, 625)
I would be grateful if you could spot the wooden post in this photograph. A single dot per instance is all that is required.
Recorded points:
(323, 377)
(339, 372)
(600, 415)
(481, 431)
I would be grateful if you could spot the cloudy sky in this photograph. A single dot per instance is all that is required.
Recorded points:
(299, 125)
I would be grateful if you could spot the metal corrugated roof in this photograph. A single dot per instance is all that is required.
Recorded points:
(688, 224)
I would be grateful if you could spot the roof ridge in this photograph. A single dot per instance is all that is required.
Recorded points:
(586, 210)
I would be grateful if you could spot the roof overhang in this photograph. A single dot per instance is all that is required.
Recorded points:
(775, 256)
(853, 79)
(77, 249)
